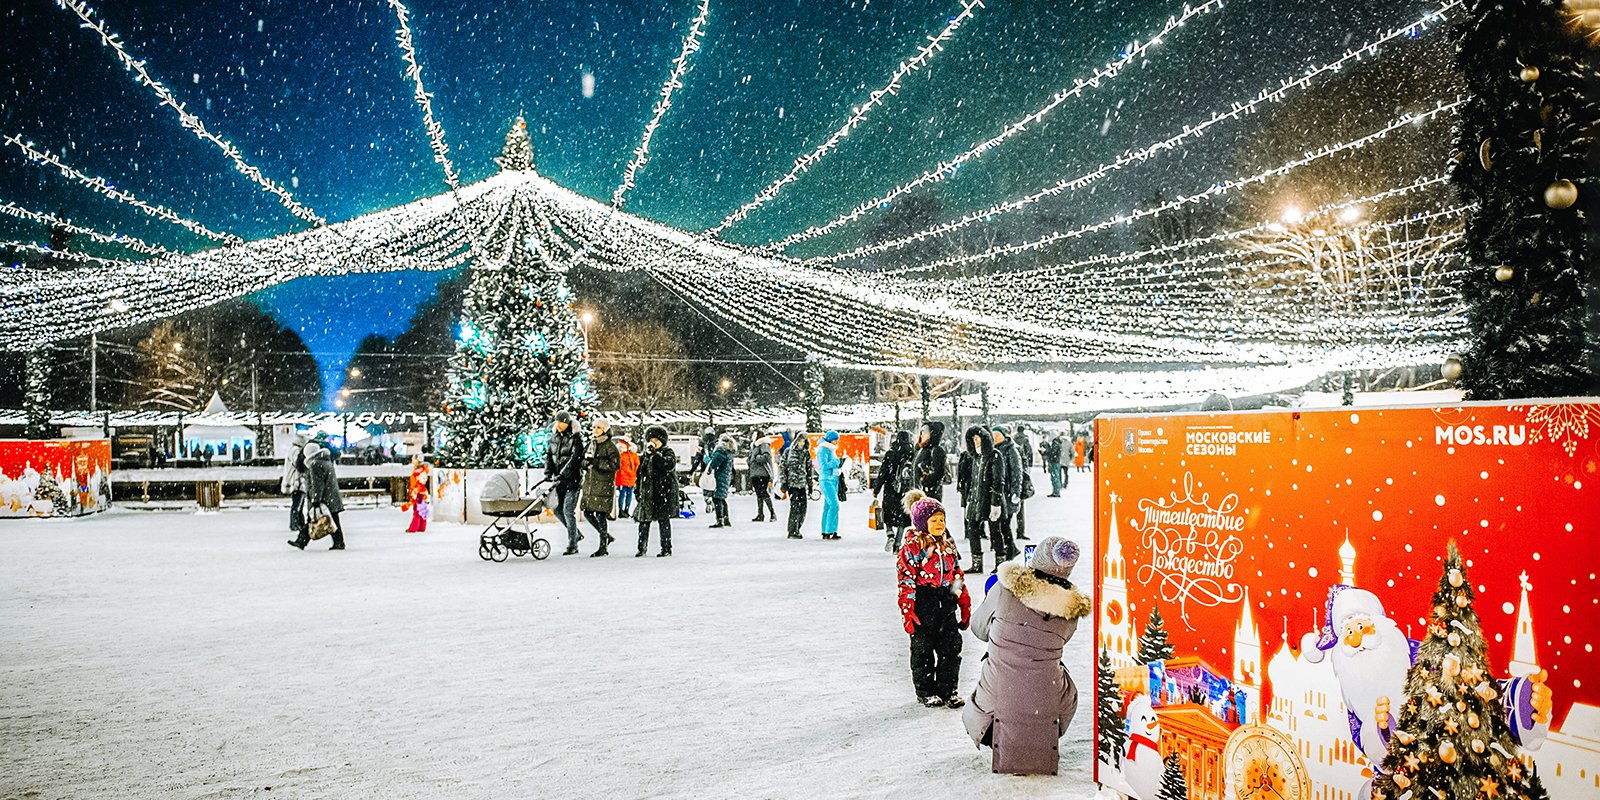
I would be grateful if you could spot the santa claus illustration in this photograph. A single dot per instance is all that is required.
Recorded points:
(1141, 755)
(1370, 659)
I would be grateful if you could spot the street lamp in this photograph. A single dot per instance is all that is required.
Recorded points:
(355, 372)
(725, 385)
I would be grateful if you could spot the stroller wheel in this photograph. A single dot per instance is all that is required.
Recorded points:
(541, 549)
(485, 549)
(498, 551)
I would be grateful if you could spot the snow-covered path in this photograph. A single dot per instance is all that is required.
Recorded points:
(176, 655)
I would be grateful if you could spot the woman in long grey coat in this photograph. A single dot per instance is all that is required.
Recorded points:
(1025, 698)
(601, 462)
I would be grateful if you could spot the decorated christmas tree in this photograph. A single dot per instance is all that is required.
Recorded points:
(1153, 644)
(1173, 786)
(520, 356)
(1521, 144)
(1110, 733)
(1452, 739)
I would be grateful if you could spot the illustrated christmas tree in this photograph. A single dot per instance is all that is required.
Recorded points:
(1173, 786)
(1452, 739)
(1521, 145)
(1153, 644)
(1110, 733)
(520, 355)
(50, 489)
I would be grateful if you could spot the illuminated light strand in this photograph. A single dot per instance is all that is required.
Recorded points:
(1215, 190)
(68, 255)
(102, 186)
(188, 120)
(674, 82)
(136, 245)
(959, 284)
(1198, 241)
(1238, 109)
(858, 115)
(408, 51)
(1110, 70)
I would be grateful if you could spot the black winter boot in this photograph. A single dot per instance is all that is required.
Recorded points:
(977, 562)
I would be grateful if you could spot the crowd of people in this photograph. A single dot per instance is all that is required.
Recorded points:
(1024, 698)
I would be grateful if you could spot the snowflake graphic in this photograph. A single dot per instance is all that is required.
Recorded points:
(1566, 423)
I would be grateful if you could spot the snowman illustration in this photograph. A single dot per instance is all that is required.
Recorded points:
(1371, 657)
(1141, 755)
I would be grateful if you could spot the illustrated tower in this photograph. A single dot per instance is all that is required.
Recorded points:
(1247, 659)
(1524, 661)
(1117, 636)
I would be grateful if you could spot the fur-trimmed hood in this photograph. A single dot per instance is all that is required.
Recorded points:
(1041, 595)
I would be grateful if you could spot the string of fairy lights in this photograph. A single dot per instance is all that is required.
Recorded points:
(1101, 75)
(1171, 143)
(188, 120)
(408, 51)
(54, 222)
(858, 115)
(674, 82)
(105, 187)
(1244, 303)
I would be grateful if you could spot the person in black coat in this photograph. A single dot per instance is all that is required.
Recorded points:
(975, 483)
(930, 465)
(563, 466)
(1050, 453)
(1024, 448)
(895, 478)
(1007, 482)
(799, 476)
(656, 493)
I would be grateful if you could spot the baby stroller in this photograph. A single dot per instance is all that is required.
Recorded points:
(685, 504)
(511, 532)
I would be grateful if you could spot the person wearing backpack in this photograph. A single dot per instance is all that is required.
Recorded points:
(894, 480)
(930, 466)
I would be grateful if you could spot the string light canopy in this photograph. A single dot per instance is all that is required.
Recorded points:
(1239, 312)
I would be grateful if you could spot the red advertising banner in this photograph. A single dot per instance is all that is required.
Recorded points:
(1264, 578)
(54, 478)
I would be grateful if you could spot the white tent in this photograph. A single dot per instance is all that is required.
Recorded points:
(222, 436)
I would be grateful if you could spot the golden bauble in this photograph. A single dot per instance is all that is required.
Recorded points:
(1451, 369)
(1561, 194)
(1401, 780)
(1455, 574)
(1452, 664)
(1447, 752)
(1501, 274)
(1477, 745)
(1473, 721)
(1461, 601)
(1530, 74)
(1483, 155)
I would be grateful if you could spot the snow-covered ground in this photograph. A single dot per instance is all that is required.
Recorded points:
(184, 655)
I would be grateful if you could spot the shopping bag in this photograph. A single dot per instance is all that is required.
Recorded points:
(424, 511)
(321, 524)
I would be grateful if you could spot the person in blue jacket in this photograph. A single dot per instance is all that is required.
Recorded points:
(828, 477)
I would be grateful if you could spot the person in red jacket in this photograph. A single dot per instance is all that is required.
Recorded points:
(421, 476)
(933, 602)
(627, 476)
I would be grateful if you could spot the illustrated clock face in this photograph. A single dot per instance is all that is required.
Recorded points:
(1113, 612)
(1262, 764)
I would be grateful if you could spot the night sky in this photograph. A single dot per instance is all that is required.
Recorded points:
(315, 94)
